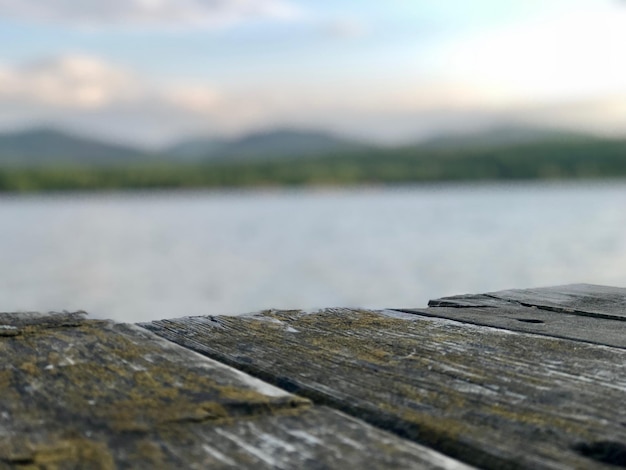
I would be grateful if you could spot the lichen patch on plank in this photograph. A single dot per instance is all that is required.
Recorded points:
(124, 379)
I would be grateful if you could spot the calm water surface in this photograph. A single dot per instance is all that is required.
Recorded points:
(135, 257)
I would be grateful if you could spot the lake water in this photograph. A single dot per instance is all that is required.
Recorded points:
(140, 256)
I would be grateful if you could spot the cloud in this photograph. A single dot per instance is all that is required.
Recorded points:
(194, 98)
(69, 81)
(146, 12)
(79, 91)
(84, 82)
(566, 56)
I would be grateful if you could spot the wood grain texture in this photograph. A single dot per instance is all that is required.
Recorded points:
(487, 396)
(517, 317)
(577, 299)
(80, 394)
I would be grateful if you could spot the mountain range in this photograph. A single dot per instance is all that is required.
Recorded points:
(503, 136)
(279, 143)
(48, 147)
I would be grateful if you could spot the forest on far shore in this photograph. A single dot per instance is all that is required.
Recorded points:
(550, 160)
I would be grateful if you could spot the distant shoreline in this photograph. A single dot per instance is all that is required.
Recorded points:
(580, 160)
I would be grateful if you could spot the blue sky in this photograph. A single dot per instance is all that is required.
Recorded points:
(153, 71)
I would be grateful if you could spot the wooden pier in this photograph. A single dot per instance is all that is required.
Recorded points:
(519, 379)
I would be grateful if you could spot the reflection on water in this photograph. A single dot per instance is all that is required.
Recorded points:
(134, 257)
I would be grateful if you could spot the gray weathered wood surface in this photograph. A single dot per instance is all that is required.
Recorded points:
(581, 312)
(577, 299)
(488, 396)
(78, 394)
(534, 320)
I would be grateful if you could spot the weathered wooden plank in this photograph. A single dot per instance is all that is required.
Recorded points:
(516, 317)
(92, 394)
(14, 324)
(577, 299)
(315, 438)
(491, 397)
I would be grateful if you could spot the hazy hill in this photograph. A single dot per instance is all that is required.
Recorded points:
(502, 136)
(195, 149)
(287, 143)
(44, 147)
(280, 143)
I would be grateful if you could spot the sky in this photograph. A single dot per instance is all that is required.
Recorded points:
(151, 72)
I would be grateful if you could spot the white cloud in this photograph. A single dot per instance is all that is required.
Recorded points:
(194, 98)
(572, 55)
(84, 91)
(146, 12)
(89, 83)
(70, 81)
